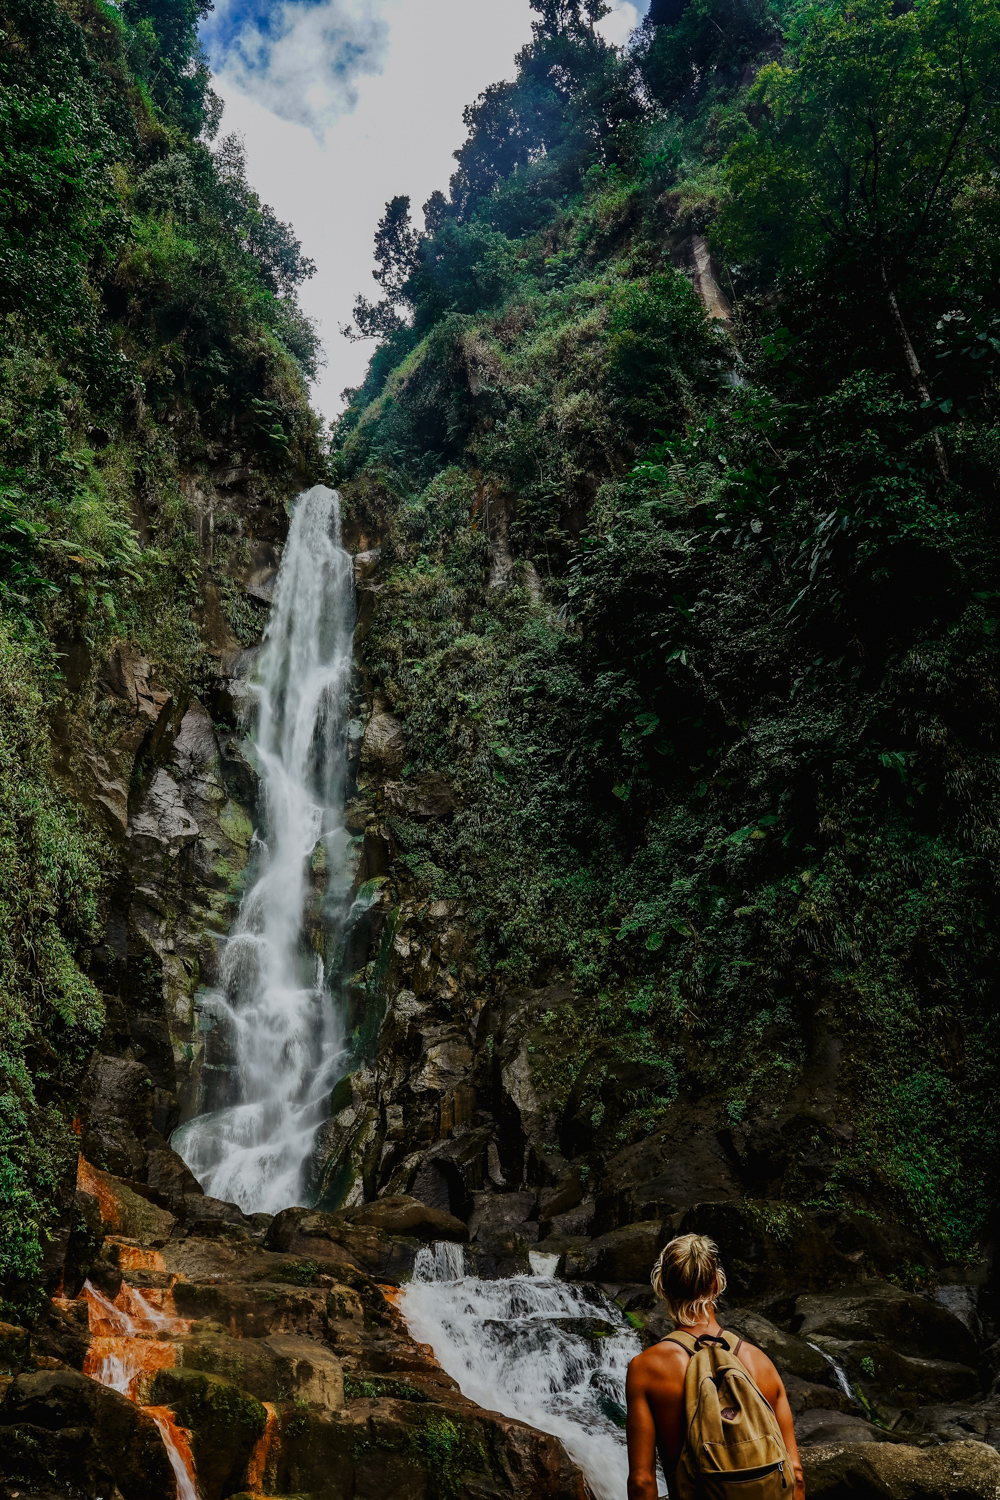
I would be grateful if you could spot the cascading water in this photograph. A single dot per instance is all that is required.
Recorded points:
(275, 994)
(547, 1352)
(129, 1344)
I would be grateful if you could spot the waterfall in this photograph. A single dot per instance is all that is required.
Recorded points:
(839, 1373)
(275, 996)
(550, 1353)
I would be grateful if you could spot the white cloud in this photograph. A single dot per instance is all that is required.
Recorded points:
(619, 25)
(300, 61)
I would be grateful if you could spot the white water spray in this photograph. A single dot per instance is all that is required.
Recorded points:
(274, 994)
(530, 1347)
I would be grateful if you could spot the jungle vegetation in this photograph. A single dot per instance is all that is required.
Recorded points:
(723, 724)
(149, 332)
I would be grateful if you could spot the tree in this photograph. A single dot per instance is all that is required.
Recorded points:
(863, 145)
(396, 257)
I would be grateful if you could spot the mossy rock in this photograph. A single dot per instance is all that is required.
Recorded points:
(380, 1388)
(13, 1348)
(224, 1421)
(247, 1363)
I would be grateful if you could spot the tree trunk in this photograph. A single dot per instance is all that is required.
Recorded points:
(917, 375)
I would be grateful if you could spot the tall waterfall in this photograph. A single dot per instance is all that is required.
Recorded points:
(275, 993)
(550, 1353)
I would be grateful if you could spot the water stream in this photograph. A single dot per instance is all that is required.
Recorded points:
(274, 1000)
(545, 1351)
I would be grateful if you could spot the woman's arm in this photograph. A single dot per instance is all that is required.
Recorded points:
(783, 1412)
(641, 1433)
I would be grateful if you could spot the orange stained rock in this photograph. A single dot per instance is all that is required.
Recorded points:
(90, 1180)
(129, 1345)
(261, 1465)
(104, 1316)
(392, 1295)
(135, 1258)
(121, 1361)
(152, 1310)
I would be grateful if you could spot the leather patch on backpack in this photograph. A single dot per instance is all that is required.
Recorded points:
(729, 1412)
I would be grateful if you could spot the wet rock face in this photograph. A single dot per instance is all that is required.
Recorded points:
(296, 1374)
(962, 1471)
(64, 1432)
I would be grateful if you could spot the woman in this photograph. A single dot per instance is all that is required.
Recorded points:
(689, 1279)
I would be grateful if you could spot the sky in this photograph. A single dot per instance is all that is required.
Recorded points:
(345, 103)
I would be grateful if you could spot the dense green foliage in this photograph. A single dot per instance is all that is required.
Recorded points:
(692, 615)
(150, 333)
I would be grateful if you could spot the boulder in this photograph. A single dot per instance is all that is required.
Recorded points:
(420, 1450)
(309, 1372)
(818, 1425)
(891, 1471)
(253, 1312)
(365, 563)
(279, 1367)
(170, 1178)
(952, 1424)
(625, 1255)
(791, 1356)
(61, 1332)
(423, 797)
(923, 1380)
(403, 1215)
(383, 749)
(123, 1210)
(307, 1232)
(804, 1396)
(58, 1425)
(913, 1325)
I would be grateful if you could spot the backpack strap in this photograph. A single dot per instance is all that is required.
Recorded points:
(686, 1341)
(735, 1345)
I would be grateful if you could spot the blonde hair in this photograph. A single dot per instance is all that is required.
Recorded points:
(688, 1277)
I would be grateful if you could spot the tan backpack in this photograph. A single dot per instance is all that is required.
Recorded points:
(733, 1445)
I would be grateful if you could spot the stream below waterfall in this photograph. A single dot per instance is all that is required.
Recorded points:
(535, 1348)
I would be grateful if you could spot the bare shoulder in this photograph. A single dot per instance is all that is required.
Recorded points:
(761, 1368)
(657, 1359)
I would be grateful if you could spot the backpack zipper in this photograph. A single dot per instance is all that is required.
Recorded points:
(741, 1476)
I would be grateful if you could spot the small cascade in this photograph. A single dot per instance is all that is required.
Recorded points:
(838, 1370)
(130, 1343)
(276, 1002)
(264, 1458)
(545, 1351)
